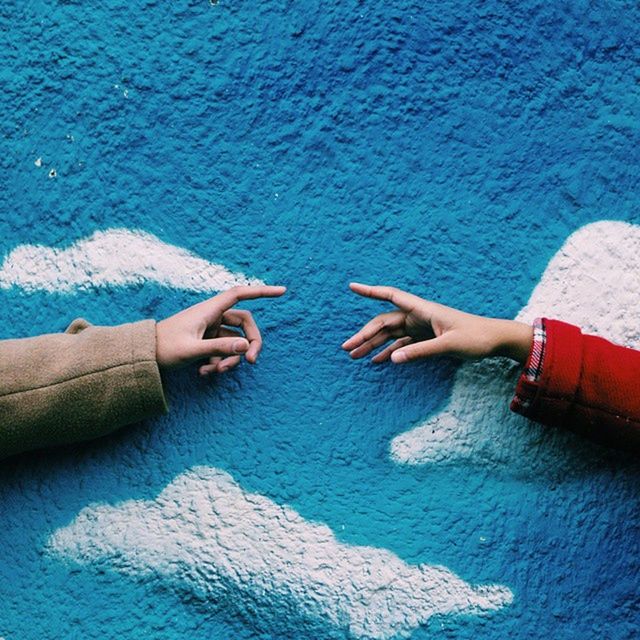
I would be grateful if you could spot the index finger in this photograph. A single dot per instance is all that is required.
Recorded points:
(406, 301)
(225, 300)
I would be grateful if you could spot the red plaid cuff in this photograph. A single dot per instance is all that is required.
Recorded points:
(533, 369)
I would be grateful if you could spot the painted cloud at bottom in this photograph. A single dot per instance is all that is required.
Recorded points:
(205, 534)
(591, 281)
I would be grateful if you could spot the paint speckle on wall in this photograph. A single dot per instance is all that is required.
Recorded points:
(460, 151)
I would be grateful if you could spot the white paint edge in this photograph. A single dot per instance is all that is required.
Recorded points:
(114, 257)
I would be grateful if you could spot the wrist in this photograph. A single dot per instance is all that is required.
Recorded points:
(163, 357)
(514, 340)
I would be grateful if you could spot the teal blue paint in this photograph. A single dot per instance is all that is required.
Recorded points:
(448, 149)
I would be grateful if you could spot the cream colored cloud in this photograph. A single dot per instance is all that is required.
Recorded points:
(114, 257)
(204, 535)
(592, 281)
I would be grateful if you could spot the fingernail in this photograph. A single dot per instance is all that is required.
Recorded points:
(399, 356)
(240, 346)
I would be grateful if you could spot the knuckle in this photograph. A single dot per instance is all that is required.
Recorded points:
(390, 292)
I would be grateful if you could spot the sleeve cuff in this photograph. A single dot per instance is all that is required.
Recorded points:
(547, 387)
(527, 386)
(151, 398)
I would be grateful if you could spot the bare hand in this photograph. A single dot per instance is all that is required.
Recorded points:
(421, 329)
(211, 330)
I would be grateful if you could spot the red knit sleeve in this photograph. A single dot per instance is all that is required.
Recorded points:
(586, 384)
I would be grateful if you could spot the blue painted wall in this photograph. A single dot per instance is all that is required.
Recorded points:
(449, 149)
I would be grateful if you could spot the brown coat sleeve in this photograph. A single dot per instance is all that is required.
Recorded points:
(86, 382)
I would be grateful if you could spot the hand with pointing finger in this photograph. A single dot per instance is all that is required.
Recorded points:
(422, 329)
(214, 331)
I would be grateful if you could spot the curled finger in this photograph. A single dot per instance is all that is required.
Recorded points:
(385, 354)
(227, 363)
(219, 365)
(206, 370)
(371, 344)
(383, 322)
(243, 319)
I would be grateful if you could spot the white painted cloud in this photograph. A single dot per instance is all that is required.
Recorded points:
(205, 535)
(593, 281)
(114, 257)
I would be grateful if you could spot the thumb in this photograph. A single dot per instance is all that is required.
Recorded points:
(210, 347)
(426, 349)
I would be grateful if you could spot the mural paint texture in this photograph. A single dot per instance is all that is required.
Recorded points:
(482, 155)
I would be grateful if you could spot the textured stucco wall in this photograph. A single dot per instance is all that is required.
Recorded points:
(461, 151)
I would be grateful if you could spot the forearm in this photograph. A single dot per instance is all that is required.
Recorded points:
(62, 388)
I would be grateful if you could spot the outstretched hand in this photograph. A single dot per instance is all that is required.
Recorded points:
(212, 330)
(421, 329)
